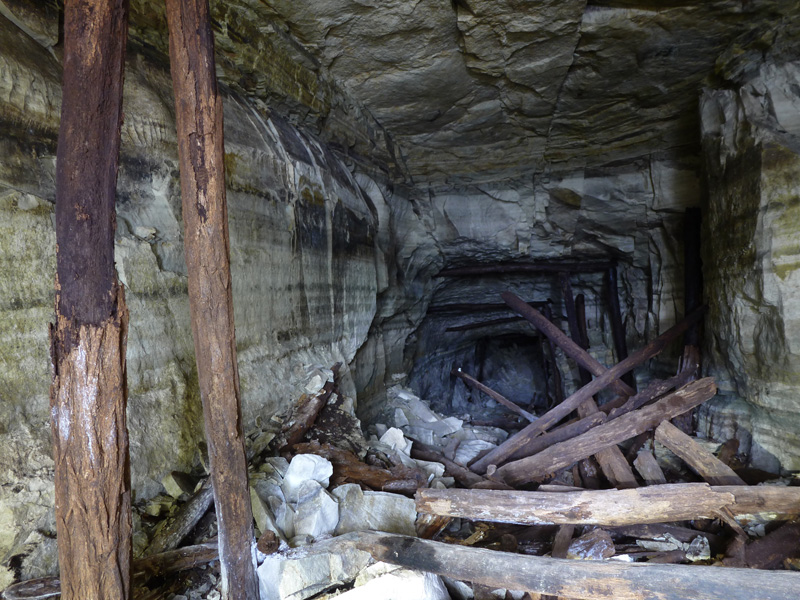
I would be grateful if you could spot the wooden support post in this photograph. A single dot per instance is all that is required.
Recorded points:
(558, 388)
(198, 111)
(611, 460)
(582, 579)
(650, 504)
(512, 445)
(617, 326)
(89, 393)
(700, 460)
(562, 455)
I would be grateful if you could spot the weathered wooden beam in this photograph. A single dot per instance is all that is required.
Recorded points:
(648, 467)
(482, 324)
(560, 434)
(144, 569)
(186, 518)
(651, 504)
(451, 468)
(611, 460)
(570, 348)
(617, 326)
(496, 396)
(467, 307)
(582, 579)
(654, 389)
(558, 385)
(88, 395)
(609, 433)
(512, 445)
(700, 460)
(499, 269)
(198, 114)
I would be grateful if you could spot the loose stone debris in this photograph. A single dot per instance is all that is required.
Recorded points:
(341, 514)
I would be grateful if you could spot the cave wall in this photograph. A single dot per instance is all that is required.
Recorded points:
(751, 142)
(306, 263)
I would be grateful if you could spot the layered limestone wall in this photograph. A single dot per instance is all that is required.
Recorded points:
(751, 140)
(306, 263)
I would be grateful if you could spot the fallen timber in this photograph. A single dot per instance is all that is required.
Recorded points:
(157, 565)
(518, 441)
(700, 460)
(530, 267)
(581, 579)
(606, 435)
(611, 460)
(558, 337)
(645, 505)
(498, 397)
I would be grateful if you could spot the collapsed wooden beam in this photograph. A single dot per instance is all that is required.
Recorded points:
(570, 348)
(700, 460)
(537, 267)
(497, 396)
(606, 435)
(582, 579)
(513, 444)
(651, 504)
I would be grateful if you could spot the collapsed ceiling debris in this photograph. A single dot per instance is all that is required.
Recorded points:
(370, 147)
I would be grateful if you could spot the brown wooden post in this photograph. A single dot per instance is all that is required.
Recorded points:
(198, 111)
(88, 394)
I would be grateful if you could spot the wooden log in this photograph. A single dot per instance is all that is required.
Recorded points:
(603, 436)
(481, 324)
(615, 318)
(468, 307)
(582, 579)
(558, 388)
(143, 568)
(530, 267)
(653, 390)
(700, 460)
(500, 454)
(570, 348)
(198, 115)
(186, 518)
(611, 460)
(88, 394)
(772, 550)
(497, 396)
(458, 472)
(647, 466)
(560, 434)
(347, 468)
(651, 504)
(304, 415)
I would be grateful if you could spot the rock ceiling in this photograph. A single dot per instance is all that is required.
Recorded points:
(471, 86)
(484, 88)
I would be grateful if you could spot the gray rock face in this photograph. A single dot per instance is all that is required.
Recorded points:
(305, 280)
(751, 137)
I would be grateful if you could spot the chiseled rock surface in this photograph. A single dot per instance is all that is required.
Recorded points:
(304, 264)
(751, 137)
(474, 87)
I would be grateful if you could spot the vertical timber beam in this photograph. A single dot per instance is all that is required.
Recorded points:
(198, 110)
(88, 394)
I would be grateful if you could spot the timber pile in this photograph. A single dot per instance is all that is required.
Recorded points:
(584, 480)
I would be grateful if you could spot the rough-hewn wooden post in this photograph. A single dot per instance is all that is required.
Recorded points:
(198, 110)
(88, 395)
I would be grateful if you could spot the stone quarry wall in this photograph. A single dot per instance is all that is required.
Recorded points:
(751, 142)
(306, 263)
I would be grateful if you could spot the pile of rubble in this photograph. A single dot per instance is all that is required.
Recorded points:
(429, 507)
